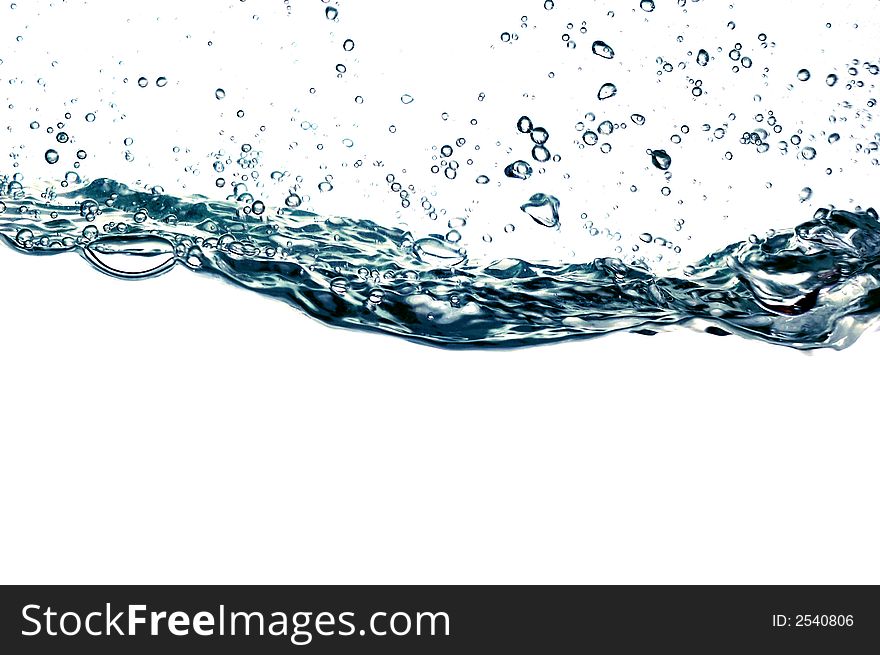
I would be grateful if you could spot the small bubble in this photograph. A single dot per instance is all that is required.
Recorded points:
(603, 50)
(81, 154)
(638, 119)
(240, 113)
(348, 45)
(808, 153)
(805, 194)
(62, 137)
(831, 80)
(293, 201)
(219, 94)
(548, 4)
(540, 154)
(647, 5)
(590, 138)
(90, 117)
(161, 81)
(661, 159)
(52, 156)
(509, 228)
(605, 128)
(325, 187)
(331, 13)
(524, 124)
(607, 90)
(519, 170)
(406, 98)
(803, 75)
(483, 179)
(702, 57)
(35, 125)
(540, 135)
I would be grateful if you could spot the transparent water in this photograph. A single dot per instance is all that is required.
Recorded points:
(489, 176)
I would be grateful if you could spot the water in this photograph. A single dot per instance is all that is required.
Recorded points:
(524, 212)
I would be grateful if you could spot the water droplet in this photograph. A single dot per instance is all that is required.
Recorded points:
(831, 80)
(805, 194)
(808, 153)
(35, 125)
(590, 138)
(524, 124)
(638, 119)
(603, 50)
(833, 138)
(607, 90)
(131, 256)
(219, 94)
(519, 170)
(293, 201)
(540, 135)
(647, 5)
(702, 57)
(25, 238)
(544, 209)
(483, 179)
(661, 159)
(331, 13)
(605, 128)
(436, 253)
(803, 75)
(52, 156)
(540, 154)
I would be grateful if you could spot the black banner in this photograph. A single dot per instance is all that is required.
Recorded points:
(449, 619)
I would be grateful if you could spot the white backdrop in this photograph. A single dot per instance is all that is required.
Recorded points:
(180, 430)
(270, 448)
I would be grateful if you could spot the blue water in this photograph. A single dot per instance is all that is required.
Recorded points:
(574, 179)
(817, 284)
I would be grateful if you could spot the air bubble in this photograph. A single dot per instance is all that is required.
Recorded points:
(603, 50)
(348, 45)
(524, 124)
(219, 94)
(647, 5)
(831, 80)
(661, 159)
(142, 82)
(51, 156)
(607, 90)
(543, 208)
(702, 57)
(519, 170)
(803, 75)
(406, 98)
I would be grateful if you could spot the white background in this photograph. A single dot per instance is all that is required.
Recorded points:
(270, 448)
(180, 430)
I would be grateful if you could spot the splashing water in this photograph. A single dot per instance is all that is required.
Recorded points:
(492, 224)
